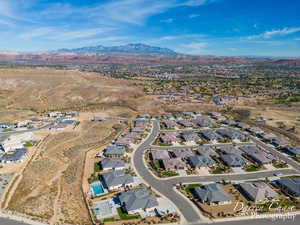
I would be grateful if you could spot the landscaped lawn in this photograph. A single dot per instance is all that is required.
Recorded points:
(190, 187)
(97, 167)
(280, 165)
(252, 168)
(125, 216)
(28, 144)
(93, 179)
(220, 170)
(168, 174)
(109, 219)
(157, 164)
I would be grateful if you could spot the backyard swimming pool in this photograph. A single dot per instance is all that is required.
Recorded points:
(97, 189)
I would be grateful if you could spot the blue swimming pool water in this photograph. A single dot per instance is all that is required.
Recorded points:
(97, 189)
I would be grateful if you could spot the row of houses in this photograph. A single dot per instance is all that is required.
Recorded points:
(257, 192)
(15, 141)
(212, 135)
(206, 157)
(135, 135)
(115, 177)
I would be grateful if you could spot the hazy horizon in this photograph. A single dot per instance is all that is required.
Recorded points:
(199, 27)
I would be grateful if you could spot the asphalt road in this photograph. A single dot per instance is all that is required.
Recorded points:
(277, 153)
(295, 221)
(166, 186)
(3, 135)
(4, 221)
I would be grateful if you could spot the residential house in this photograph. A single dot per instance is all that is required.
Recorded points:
(173, 164)
(123, 142)
(169, 124)
(117, 179)
(190, 136)
(290, 185)
(178, 115)
(279, 142)
(158, 155)
(169, 138)
(16, 156)
(293, 150)
(201, 161)
(217, 116)
(242, 125)
(212, 194)
(229, 122)
(105, 208)
(204, 121)
(258, 155)
(112, 164)
(257, 191)
(138, 200)
(16, 141)
(255, 131)
(206, 150)
(144, 116)
(231, 134)
(181, 153)
(234, 160)
(114, 151)
(186, 123)
(211, 135)
(229, 149)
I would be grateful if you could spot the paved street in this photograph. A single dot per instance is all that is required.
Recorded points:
(296, 221)
(4, 221)
(166, 186)
(277, 153)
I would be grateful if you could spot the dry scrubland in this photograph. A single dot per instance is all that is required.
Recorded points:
(289, 116)
(24, 92)
(51, 185)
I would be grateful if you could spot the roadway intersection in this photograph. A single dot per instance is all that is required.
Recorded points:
(166, 187)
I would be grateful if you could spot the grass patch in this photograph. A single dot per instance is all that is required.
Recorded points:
(112, 219)
(220, 170)
(189, 188)
(125, 216)
(280, 165)
(157, 164)
(93, 179)
(28, 144)
(252, 168)
(97, 167)
(168, 174)
(7, 130)
(162, 144)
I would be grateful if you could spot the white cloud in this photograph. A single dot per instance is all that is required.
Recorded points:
(138, 11)
(183, 36)
(39, 32)
(170, 20)
(195, 48)
(14, 9)
(192, 16)
(195, 2)
(63, 35)
(272, 33)
(196, 45)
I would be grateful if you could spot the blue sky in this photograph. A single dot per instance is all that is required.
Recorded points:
(206, 27)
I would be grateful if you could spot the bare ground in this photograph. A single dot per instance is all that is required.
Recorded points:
(50, 188)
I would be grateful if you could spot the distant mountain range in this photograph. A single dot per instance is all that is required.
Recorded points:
(129, 49)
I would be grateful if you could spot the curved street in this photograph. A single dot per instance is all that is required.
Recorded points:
(166, 186)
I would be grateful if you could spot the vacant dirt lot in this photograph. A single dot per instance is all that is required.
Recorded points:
(24, 92)
(289, 117)
(50, 188)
